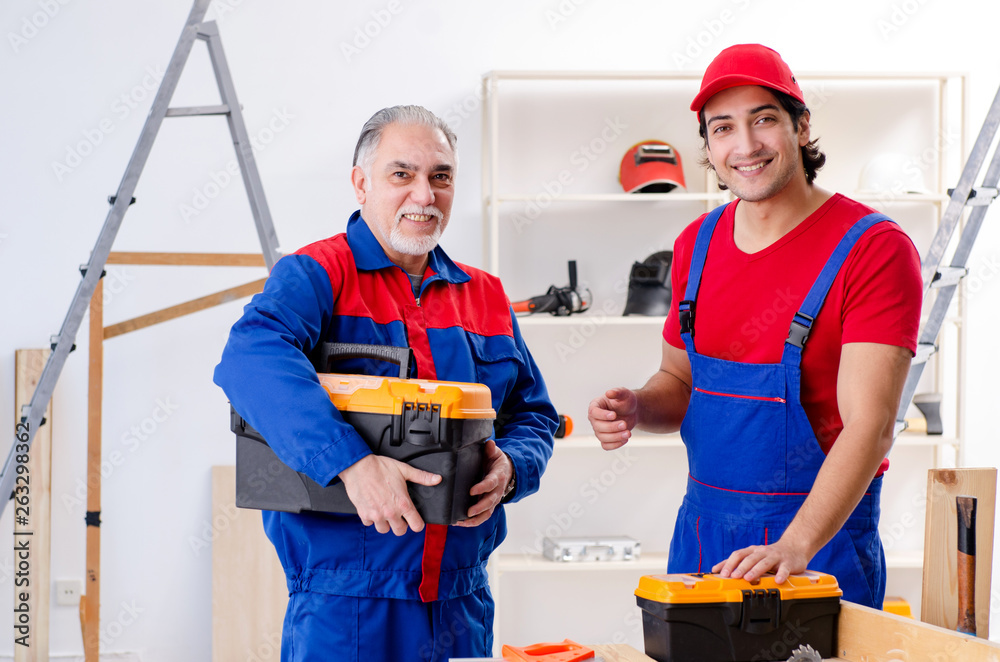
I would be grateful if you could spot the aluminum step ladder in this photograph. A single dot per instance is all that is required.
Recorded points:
(93, 271)
(945, 280)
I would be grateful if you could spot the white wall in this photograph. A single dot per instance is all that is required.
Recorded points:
(64, 71)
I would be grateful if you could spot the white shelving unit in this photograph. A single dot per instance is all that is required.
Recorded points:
(552, 144)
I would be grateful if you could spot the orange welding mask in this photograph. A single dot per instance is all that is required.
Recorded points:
(651, 166)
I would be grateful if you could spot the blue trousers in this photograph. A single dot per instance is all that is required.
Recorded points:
(319, 626)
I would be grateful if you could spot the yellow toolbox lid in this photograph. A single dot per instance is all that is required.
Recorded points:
(388, 395)
(708, 588)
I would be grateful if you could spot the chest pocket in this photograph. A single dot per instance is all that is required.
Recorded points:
(497, 361)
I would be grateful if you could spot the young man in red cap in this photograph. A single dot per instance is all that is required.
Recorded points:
(786, 439)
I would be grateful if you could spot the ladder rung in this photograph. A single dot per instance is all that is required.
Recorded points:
(949, 276)
(979, 197)
(899, 427)
(193, 111)
(924, 353)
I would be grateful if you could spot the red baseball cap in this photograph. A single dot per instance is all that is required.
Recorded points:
(746, 64)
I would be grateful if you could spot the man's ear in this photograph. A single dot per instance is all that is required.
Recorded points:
(804, 129)
(359, 181)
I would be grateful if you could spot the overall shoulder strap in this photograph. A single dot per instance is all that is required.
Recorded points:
(803, 320)
(686, 307)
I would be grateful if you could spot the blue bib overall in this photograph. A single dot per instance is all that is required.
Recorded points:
(752, 453)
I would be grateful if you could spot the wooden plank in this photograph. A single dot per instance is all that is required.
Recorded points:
(620, 653)
(189, 259)
(249, 593)
(939, 601)
(186, 308)
(90, 604)
(37, 533)
(870, 635)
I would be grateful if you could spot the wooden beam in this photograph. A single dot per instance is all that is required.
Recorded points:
(249, 593)
(186, 308)
(90, 604)
(939, 599)
(189, 259)
(870, 635)
(36, 484)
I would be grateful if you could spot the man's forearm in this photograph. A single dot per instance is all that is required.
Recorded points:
(841, 483)
(662, 403)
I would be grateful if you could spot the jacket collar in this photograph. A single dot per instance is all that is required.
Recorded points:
(369, 255)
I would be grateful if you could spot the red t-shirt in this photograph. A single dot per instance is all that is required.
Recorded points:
(746, 301)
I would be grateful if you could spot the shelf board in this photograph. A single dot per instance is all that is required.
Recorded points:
(909, 559)
(589, 441)
(889, 197)
(922, 439)
(845, 76)
(616, 197)
(538, 563)
(654, 561)
(584, 318)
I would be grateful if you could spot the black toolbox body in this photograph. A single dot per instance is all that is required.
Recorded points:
(440, 427)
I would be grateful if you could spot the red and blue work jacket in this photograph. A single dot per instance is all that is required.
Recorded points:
(460, 328)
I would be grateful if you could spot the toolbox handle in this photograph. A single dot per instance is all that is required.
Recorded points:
(326, 352)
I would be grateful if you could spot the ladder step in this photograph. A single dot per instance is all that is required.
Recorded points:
(55, 343)
(979, 197)
(924, 353)
(194, 111)
(899, 427)
(949, 276)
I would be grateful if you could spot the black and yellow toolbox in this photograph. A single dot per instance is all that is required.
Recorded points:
(437, 426)
(705, 618)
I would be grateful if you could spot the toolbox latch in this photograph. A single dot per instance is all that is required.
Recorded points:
(761, 611)
(419, 424)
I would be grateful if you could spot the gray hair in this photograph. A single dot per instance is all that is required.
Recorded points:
(371, 133)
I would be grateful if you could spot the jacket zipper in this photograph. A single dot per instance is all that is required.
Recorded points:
(742, 397)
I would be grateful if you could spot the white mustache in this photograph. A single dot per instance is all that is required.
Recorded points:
(425, 211)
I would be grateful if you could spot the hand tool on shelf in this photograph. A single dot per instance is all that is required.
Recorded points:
(966, 507)
(560, 301)
(565, 428)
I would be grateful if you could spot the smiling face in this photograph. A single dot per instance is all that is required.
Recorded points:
(753, 144)
(406, 192)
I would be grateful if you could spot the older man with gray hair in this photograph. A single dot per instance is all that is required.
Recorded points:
(357, 592)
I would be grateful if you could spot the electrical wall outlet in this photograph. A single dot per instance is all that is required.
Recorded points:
(68, 592)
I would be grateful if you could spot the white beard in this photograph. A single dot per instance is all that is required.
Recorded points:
(416, 245)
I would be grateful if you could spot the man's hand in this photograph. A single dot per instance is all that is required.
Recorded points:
(498, 472)
(613, 415)
(752, 562)
(377, 487)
